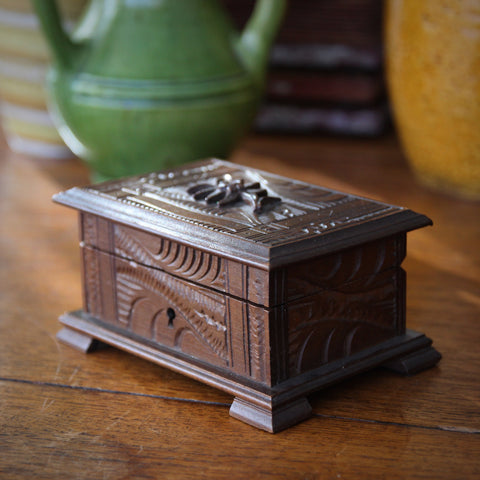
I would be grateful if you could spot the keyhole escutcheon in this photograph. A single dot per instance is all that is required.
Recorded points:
(171, 316)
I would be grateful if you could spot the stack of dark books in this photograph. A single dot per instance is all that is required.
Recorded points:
(326, 70)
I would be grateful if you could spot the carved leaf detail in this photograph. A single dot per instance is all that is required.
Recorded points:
(228, 191)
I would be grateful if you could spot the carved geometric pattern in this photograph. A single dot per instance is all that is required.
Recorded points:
(173, 257)
(198, 314)
(89, 229)
(305, 211)
(335, 324)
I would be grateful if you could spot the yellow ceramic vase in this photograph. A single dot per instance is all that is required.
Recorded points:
(24, 58)
(433, 71)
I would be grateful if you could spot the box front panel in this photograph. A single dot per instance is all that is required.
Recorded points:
(183, 317)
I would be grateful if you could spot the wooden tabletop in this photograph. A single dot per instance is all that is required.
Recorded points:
(110, 415)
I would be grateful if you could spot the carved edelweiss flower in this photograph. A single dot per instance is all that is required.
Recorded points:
(228, 191)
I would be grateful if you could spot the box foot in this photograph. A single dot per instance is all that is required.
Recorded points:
(80, 341)
(414, 362)
(272, 420)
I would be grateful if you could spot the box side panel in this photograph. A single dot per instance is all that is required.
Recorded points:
(259, 344)
(97, 232)
(329, 271)
(338, 306)
(401, 284)
(99, 285)
(340, 322)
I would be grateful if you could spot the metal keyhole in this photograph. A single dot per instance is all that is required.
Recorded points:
(171, 316)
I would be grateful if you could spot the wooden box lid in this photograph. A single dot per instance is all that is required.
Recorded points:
(255, 217)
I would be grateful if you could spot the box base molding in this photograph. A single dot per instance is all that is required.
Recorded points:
(271, 409)
(414, 362)
(271, 419)
(78, 340)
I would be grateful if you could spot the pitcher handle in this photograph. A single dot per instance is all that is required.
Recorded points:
(259, 33)
(63, 49)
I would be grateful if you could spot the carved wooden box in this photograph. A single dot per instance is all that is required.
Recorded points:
(265, 287)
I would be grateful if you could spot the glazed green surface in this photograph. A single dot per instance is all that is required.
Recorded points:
(148, 84)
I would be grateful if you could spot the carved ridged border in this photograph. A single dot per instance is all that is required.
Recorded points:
(89, 229)
(92, 288)
(257, 344)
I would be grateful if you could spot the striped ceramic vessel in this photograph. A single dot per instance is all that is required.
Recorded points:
(24, 58)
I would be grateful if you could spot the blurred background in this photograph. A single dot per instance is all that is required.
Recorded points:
(325, 75)
(347, 68)
(326, 68)
(24, 58)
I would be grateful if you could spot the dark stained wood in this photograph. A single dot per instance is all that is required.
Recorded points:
(259, 285)
(375, 425)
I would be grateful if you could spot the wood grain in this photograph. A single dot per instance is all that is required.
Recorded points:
(106, 435)
(112, 415)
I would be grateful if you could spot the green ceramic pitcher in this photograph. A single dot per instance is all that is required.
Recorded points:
(148, 84)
